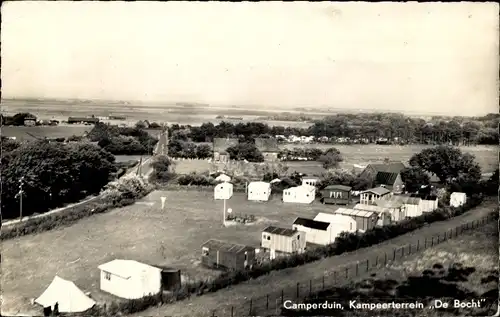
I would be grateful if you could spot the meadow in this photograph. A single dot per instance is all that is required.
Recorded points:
(63, 131)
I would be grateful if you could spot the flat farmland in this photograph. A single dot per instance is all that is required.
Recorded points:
(62, 131)
(143, 232)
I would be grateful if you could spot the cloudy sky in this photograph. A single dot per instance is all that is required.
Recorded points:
(426, 57)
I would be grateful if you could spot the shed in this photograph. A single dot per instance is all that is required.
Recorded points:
(227, 255)
(220, 145)
(429, 202)
(223, 191)
(69, 297)
(336, 194)
(340, 223)
(223, 178)
(317, 232)
(371, 195)
(396, 208)
(311, 181)
(130, 279)
(365, 220)
(283, 240)
(268, 147)
(303, 194)
(457, 199)
(259, 191)
(413, 206)
(384, 214)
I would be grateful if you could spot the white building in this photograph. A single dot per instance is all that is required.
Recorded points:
(130, 279)
(413, 206)
(303, 194)
(317, 232)
(259, 191)
(429, 203)
(340, 223)
(311, 181)
(283, 240)
(67, 295)
(384, 214)
(457, 199)
(223, 191)
(371, 195)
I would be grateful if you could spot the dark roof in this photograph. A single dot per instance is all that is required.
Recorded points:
(267, 145)
(386, 178)
(214, 244)
(394, 167)
(424, 196)
(221, 144)
(280, 231)
(82, 119)
(313, 224)
(338, 187)
(378, 191)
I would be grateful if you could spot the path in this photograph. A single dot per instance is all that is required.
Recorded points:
(239, 295)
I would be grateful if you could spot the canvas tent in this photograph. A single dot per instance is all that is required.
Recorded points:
(69, 297)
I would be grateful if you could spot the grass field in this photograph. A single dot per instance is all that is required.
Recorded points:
(21, 133)
(143, 232)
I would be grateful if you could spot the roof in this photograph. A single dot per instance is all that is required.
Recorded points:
(458, 194)
(374, 208)
(377, 191)
(332, 218)
(223, 177)
(267, 144)
(387, 178)
(407, 200)
(302, 187)
(280, 231)
(259, 184)
(222, 185)
(338, 187)
(313, 224)
(83, 119)
(221, 144)
(126, 268)
(226, 246)
(69, 297)
(354, 213)
(388, 203)
(394, 167)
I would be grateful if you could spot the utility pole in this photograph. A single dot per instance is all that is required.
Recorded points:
(20, 193)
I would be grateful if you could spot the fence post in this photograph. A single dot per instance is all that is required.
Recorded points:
(232, 311)
(438, 239)
(310, 287)
(394, 255)
(334, 277)
(323, 281)
(213, 313)
(347, 272)
(385, 258)
(267, 301)
(376, 260)
(402, 251)
(251, 310)
(357, 269)
(298, 286)
(409, 249)
(432, 241)
(282, 296)
(418, 244)
(425, 243)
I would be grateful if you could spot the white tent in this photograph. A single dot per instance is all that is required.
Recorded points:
(223, 178)
(69, 297)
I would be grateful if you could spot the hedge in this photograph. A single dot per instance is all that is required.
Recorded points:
(344, 243)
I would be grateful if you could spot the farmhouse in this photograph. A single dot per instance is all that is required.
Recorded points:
(223, 191)
(283, 240)
(311, 181)
(220, 146)
(365, 220)
(413, 206)
(369, 196)
(457, 199)
(317, 232)
(90, 120)
(429, 202)
(226, 255)
(268, 147)
(67, 295)
(336, 194)
(303, 194)
(259, 191)
(130, 279)
(396, 208)
(340, 223)
(391, 181)
(384, 214)
(371, 171)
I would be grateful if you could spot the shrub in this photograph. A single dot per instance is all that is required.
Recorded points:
(194, 179)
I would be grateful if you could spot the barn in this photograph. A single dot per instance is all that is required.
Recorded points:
(220, 145)
(303, 194)
(396, 208)
(429, 202)
(227, 255)
(413, 206)
(365, 220)
(384, 214)
(457, 199)
(371, 171)
(311, 181)
(223, 191)
(268, 147)
(283, 240)
(130, 279)
(340, 223)
(336, 194)
(259, 191)
(317, 232)
(369, 196)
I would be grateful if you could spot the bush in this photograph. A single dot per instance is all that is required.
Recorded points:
(194, 179)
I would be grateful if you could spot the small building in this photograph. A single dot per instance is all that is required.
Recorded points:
(371, 170)
(283, 240)
(384, 214)
(391, 181)
(130, 279)
(369, 196)
(429, 202)
(259, 191)
(317, 232)
(336, 194)
(223, 191)
(303, 194)
(220, 145)
(396, 208)
(413, 206)
(365, 220)
(30, 120)
(84, 120)
(268, 147)
(340, 223)
(311, 181)
(457, 199)
(67, 295)
(226, 255)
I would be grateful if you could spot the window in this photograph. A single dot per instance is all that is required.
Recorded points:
(246, 256)
(307, 195)
(350, 225)
(268, 237)
(298, 237)
(204, 251)
(107, 276)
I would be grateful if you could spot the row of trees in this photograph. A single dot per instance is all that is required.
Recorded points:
(122, 140)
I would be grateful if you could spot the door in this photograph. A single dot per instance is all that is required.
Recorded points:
(273, 254)
(294, 246)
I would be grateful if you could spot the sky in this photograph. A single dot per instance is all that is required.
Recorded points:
(424, 57)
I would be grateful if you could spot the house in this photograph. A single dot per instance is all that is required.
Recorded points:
(365, 220)
(457, 199)
(220, 145)
(223, 191)
(384, 214)
(223, 178)
(395, 208)
(336, 194)
(429, 202)
(67, 295)
(340, 223)
(30, 120)
(80, 120)
(130, 279)
(391, 181)
(259, 191)
(268, 147)
(311, 181)
(371, 170)
(413, 206)
(371, 195)
(283, 240)
(317, 232)
(226, 255)
(303, 194)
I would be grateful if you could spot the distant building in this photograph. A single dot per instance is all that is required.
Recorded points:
(220, 146)
(365, 220)
(317, 232)
(413, 206)
(371, 171)
(395, 208)
(384, 214)
(336, 194)
(82, 120)
(371, 195)
(311, 181)
(429, 202)
(226, 255)
(268, 147)
(283, 240)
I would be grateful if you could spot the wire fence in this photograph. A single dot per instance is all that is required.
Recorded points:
(271, 303)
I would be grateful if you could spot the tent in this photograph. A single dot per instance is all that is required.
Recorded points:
(69, 297)
(223, 178)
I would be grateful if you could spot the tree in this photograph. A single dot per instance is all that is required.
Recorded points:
(344, 177)
(245, 151)
(414, 178)
(162, 169)
(331, 158)
(203, 151)
(140, 124)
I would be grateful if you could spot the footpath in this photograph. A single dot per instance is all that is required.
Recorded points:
(239, 295)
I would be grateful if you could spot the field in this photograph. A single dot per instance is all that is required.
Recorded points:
(172, 237)
(63, 131)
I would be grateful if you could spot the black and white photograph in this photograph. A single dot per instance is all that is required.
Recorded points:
(228, 159)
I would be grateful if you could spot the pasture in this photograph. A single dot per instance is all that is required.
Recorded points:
(22, 133)
(143, 232)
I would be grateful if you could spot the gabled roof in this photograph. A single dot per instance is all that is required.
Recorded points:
(407, 200)
(377, 191)
(374, 208)
(333, 218)
(386, 178)
(126, 268)
(389, 203)
(313, 224)
(214, 244)
(69, 297)
(338, 187)
(267, 144)
(393, 167)
(280, 231)
(221, 144)
(306, 188)
(354, 212)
